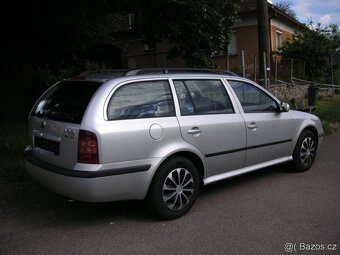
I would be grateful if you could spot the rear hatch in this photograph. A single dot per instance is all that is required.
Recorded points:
(54, 122)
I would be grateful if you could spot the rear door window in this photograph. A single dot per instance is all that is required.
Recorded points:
(202, 97)
(147, 99)
(66, 101)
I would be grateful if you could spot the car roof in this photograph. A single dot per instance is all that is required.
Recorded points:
(105, 75)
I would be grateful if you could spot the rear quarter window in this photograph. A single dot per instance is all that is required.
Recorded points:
(66, 101)
(137, 100)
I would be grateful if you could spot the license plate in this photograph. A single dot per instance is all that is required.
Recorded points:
(46, 145)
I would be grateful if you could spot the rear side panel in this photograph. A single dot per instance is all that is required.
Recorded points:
(124, 133)
(130, 140)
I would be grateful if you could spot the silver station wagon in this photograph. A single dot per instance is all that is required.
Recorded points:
(161, 136)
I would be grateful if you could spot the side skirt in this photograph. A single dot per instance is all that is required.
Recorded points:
(245, 170)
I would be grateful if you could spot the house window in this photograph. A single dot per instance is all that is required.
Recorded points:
(149, 45)
(232, 47)
(278, 40)
(131, 20)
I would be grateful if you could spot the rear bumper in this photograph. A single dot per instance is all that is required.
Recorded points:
(92, 186)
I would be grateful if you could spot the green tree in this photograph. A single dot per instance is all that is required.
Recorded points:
(315, 46)
(44, 41)
(64, 33)
(287, 7)
(197, 29)
(48, 40)
(59, 35)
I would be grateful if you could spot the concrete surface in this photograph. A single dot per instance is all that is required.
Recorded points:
(258, 213)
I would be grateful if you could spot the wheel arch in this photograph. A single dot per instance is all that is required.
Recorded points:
(313, 130)
(194, 158)
(303, 162)
(301, 127)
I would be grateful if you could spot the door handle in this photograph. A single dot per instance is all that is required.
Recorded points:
(194, 131)
(252, 126)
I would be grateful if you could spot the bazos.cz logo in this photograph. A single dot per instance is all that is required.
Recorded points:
(294, 247)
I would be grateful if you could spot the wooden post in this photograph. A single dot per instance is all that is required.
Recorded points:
(304, 70)
(254, 67)
(291, 69)
(275, 78)
(242, 64)
(265, 83)
(227, 65)
(332, 78)
(263, 38)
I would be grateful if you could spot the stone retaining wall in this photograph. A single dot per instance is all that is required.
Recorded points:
(287, 92)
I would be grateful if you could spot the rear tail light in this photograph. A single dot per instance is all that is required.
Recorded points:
(87, 148)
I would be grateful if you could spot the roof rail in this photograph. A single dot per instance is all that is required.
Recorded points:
(177, 70)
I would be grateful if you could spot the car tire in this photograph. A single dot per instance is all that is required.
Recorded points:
(174, 188)
(304, 152)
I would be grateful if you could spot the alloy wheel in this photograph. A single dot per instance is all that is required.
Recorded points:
(178, 189)
(307, 151)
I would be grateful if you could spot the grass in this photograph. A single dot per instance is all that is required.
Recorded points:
(329, 112)
(13, 140)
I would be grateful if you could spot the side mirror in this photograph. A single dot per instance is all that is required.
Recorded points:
(285, 107)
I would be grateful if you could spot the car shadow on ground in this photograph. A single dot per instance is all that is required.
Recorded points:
(29, 203)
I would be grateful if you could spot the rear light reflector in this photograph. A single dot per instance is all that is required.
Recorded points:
(87, 148)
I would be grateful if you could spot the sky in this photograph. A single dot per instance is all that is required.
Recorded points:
(325, 11)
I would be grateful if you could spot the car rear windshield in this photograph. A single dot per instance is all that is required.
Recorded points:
(66, 101)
